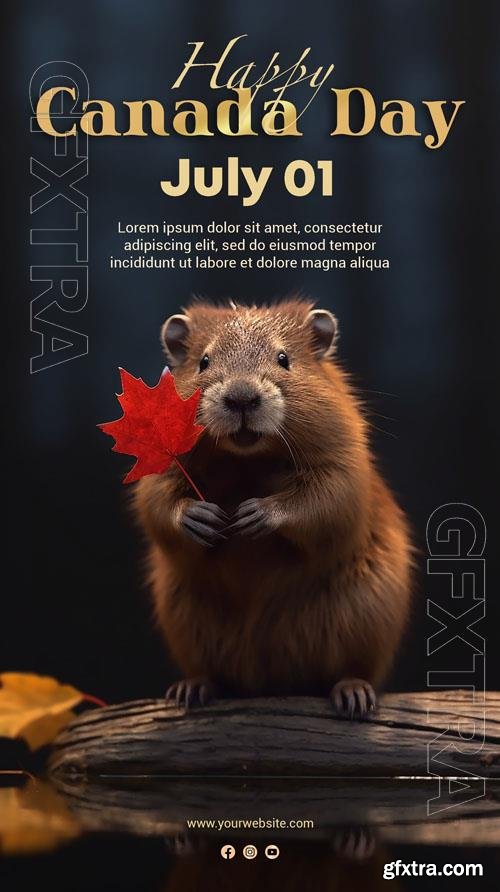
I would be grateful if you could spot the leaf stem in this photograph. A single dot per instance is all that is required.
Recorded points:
(188, 478)
(96, 700)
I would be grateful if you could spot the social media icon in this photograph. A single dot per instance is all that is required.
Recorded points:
(228, 852)
(250, 852)
(272, 852)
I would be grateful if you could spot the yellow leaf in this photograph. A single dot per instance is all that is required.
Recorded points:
(34, 707)
(34, 819)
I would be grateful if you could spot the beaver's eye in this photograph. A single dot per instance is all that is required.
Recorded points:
(204, 363)
(283, 360)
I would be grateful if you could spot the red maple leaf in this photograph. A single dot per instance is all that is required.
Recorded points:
(157, 425)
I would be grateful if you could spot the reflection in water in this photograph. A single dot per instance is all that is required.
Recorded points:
(34, 818)
(301, 867)
(78, 842)
(107, 862)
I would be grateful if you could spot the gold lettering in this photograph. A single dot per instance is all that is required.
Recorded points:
(441, 125)
(43, 111)
(199, 115)
(243, 105)
(215, 65)
(136, 118)
(406, 113)
(105, 114)
(343, 127)
(288, 114)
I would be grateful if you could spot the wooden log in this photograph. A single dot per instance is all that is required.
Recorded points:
(285, 737)
(395, 811)
(148, 768)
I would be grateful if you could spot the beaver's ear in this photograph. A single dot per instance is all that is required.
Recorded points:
(325, 329)
(174, 337)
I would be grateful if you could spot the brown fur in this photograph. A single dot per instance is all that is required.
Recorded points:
(325, 594)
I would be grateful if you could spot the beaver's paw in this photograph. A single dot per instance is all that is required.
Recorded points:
(205, 523)
(354, 844)
(353, 698)
(252, 518)
(185, 844)
(192, 692)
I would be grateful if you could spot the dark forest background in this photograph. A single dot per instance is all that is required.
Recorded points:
(420, 338)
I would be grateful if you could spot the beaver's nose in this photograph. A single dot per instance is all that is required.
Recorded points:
(242, 399)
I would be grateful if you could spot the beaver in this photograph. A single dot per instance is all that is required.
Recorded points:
(293, 577)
